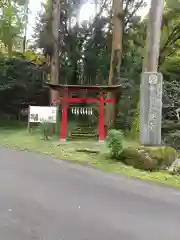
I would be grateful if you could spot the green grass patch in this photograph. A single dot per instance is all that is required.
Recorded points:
(16, 136)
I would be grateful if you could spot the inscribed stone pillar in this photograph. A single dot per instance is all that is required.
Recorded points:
(151, 108)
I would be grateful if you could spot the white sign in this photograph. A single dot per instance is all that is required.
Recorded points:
(40, 114)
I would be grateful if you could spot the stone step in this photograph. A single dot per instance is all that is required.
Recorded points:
(79, 130)
(81, 137)
(83, 134)
(85, 127)
(84, 130)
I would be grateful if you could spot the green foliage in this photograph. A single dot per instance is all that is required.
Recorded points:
(17, 72)
(20, 81)
(173, 139)
(86, 46)
(115, 143)
(171, 90)
(14, 71)
(170, 126)
(127, 104)
(47, 129)
(135, 129)
(12, 18)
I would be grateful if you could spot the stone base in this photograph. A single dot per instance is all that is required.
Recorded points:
(62, 140)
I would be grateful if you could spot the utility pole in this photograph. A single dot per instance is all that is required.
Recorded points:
(55, 47)
(151, 81)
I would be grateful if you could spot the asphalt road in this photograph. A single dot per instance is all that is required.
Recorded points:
(41, 198)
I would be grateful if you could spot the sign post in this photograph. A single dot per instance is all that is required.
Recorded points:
(151, 108)
(40, 114)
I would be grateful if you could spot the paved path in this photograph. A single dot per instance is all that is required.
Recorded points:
(41, 198)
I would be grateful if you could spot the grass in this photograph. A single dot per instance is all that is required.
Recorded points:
(16, 136)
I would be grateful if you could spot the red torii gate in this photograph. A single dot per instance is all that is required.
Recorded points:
(64, 91)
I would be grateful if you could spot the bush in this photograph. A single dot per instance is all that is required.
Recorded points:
(115, 143)
(173, 139)
(47, 129)
(165, 156)
(170, 126)
(138, 158)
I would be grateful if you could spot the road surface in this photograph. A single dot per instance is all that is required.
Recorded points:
(41, 198)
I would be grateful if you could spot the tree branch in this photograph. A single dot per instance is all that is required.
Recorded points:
(170, 40)
(136, 8)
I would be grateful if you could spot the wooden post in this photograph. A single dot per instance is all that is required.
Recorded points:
(29, 124)
(101, 118)
(151, 81)
(64, 116)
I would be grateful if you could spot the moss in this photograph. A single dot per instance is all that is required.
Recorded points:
(165, 156)
(149, 158)
(138, 158)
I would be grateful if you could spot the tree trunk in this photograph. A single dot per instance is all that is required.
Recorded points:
(10, 39)
(116, 54)
(10, 48)
(55, 54)
(154, 35)
(75, 50)
(26, 12)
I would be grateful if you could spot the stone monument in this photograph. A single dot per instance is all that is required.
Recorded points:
(151, 108)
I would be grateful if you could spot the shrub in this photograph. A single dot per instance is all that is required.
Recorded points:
(47, 129)
(165, 156)
(115, 143)
(170, 126)
(173, 139)
(138, 158)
